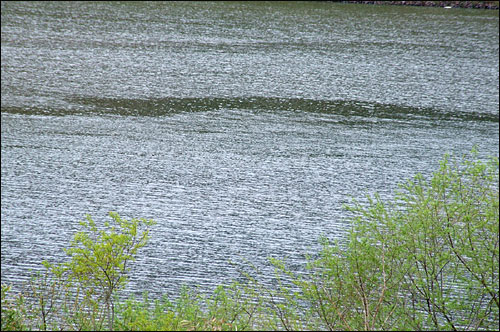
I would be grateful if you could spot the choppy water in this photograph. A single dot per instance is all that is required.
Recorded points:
(241, 128)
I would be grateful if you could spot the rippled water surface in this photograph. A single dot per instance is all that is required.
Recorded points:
(240, 127)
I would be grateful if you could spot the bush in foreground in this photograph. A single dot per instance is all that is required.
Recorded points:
(78, 294)
(427, 261)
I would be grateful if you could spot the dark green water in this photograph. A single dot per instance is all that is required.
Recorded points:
(240, 127)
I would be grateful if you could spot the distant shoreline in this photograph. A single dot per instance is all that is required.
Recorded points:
(453, 4)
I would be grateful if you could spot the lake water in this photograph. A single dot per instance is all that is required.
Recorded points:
(240, 127)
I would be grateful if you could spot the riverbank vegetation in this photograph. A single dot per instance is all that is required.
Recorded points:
(449, 4)
(428, 260)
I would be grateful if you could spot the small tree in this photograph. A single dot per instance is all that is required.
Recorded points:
(99, 258)
(74, 292)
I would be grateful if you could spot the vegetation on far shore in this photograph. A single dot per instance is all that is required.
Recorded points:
(429, 260)
(453, 4)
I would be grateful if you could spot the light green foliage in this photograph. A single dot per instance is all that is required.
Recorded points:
(99, 258)
(12, 311)
(450, 233)
(229, 308)
(346, 288)
(78, 294)
(143, 315)
(427, 261)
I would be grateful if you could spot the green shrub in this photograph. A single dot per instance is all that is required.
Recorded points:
(99, 259)
(427, 261)
(12, 311)
(78, 294)
(229, 308)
